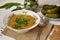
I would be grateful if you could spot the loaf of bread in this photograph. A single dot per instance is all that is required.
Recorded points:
(55, 36)
(57, 29)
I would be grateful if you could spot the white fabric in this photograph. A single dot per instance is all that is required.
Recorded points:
(3, 37)
(2, 2)
(52, 2)
(3, 13)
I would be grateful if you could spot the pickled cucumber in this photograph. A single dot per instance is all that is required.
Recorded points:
(49, 6)
(54, 10)
(52, 15)
(51, 11)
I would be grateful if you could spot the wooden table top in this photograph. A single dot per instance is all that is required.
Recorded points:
(31, 35)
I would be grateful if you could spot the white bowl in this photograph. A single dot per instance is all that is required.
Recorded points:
(33, 14)
(51, 20)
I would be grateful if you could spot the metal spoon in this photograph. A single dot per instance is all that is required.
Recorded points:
(41, 26)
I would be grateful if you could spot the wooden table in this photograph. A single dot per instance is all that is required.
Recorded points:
(31, 35)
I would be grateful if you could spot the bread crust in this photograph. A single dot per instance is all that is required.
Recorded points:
(57, 29)
(55, 36)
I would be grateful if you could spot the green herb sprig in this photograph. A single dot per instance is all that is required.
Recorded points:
(9, 5)
(33, 6)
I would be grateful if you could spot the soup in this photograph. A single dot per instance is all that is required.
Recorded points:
(21, 21)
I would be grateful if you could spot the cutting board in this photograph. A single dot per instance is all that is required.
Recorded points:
(31, 35)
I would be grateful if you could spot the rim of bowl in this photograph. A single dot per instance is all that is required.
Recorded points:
(25, 28)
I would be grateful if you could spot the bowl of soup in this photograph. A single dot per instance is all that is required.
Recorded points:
(21, 20)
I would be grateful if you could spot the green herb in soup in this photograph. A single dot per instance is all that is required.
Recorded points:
(21, 21)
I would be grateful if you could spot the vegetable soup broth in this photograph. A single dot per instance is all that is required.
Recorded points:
(21, 21)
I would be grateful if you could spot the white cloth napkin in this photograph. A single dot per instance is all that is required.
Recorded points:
(52, 2)
(2, 15)
(3, 37)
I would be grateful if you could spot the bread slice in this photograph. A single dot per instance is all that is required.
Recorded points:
(57, 29)
(55, 36)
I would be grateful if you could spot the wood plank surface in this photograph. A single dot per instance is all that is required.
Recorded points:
(31, 35)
